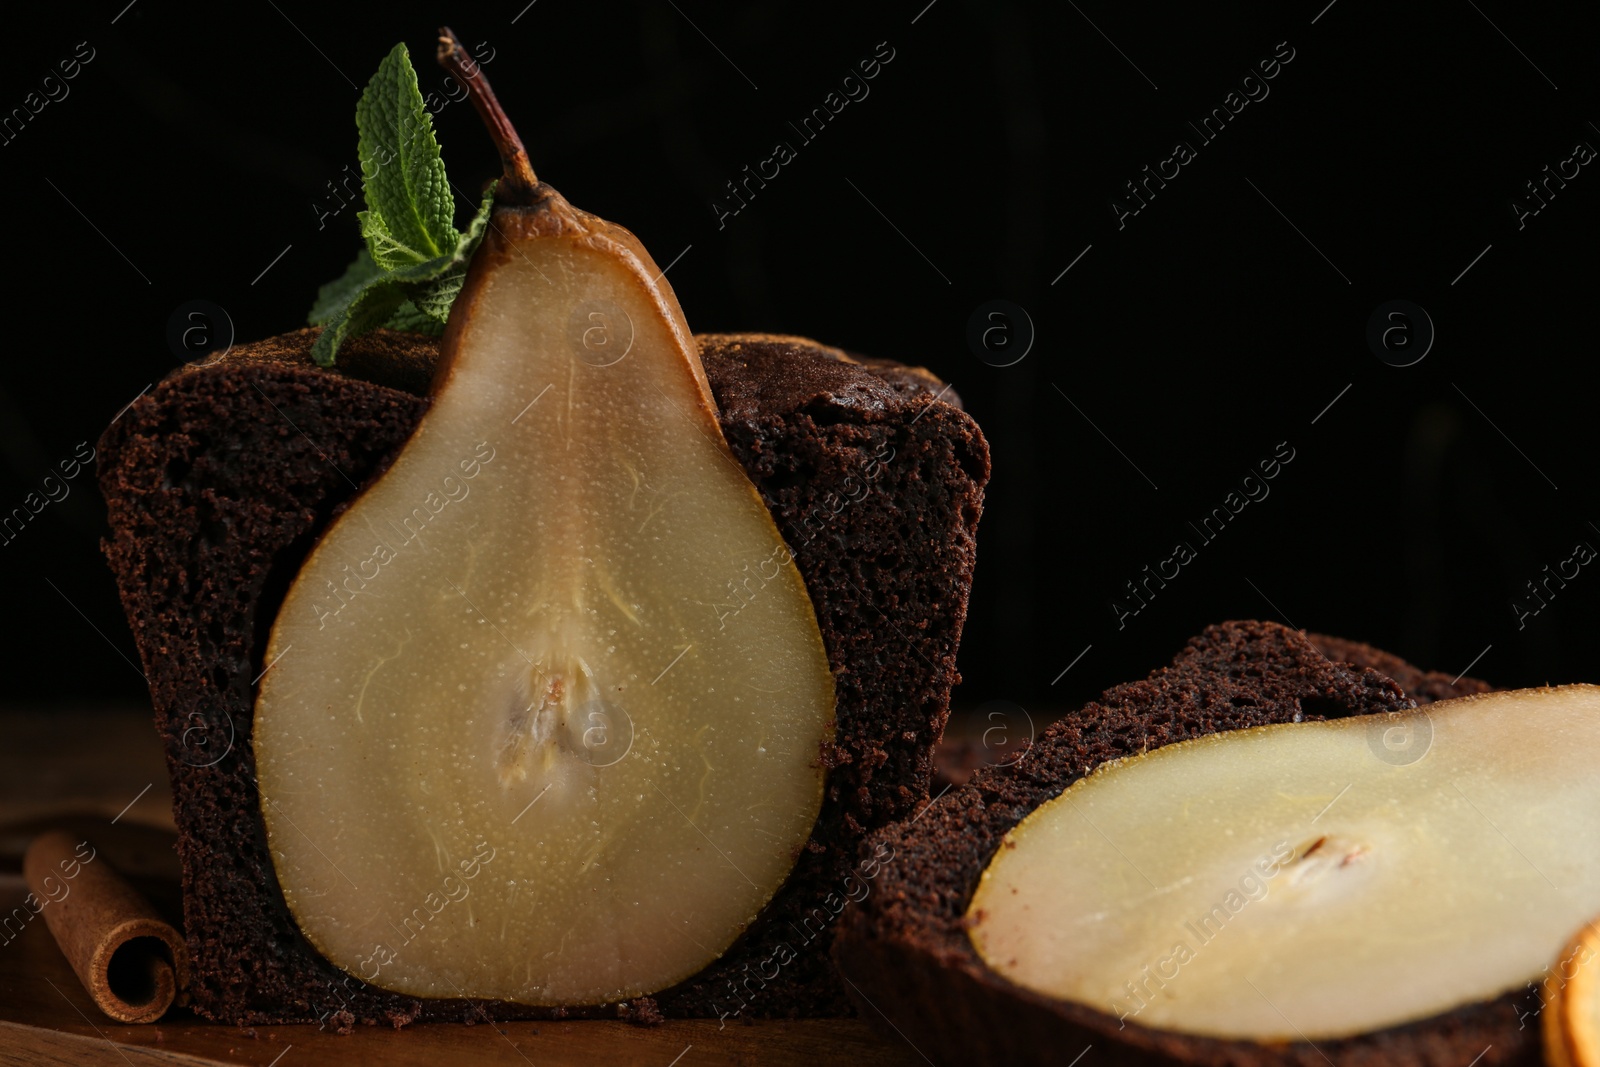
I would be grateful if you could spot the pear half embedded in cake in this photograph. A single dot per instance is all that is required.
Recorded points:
(1291, 883)
(507, 747)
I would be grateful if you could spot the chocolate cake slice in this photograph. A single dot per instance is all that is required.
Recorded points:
(1424, 687)
(904, 948)
(220, 480)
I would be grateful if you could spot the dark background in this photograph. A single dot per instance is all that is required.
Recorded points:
(195, 144)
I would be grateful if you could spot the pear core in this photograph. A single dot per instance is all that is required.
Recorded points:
(1304, 882)
(543, 713)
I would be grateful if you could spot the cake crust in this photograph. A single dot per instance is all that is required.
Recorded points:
(1424, 687)
(220, 480)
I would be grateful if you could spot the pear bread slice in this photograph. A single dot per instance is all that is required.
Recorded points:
(220, 480)
(905, 949)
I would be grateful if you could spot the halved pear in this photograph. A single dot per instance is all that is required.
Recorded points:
(1291, 883)
(544, 707)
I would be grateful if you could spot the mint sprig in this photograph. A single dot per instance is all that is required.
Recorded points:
(415, 259)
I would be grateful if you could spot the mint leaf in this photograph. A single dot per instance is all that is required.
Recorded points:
(370, 309)
(415, 261)
(417, 297)
(413, 319)
(410, 212)
(459, 252)
(436, 299)
(337, 294)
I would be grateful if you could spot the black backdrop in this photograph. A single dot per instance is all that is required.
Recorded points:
(187, 159)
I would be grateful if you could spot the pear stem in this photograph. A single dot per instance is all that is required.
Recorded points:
(519, 181)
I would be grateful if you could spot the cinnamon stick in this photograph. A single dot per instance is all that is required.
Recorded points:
(131, 961)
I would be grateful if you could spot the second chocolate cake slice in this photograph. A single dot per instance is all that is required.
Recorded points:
(221, 480)
(905, 948)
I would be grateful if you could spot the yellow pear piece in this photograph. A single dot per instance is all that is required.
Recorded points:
(1291, 883)
(513, 742)
(1571, 1008)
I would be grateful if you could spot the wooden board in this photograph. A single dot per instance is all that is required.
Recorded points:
(47, 1018)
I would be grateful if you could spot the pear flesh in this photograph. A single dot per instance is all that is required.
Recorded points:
(1298, 882)
(530, 731)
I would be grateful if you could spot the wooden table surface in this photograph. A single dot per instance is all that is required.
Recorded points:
(100, 772)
